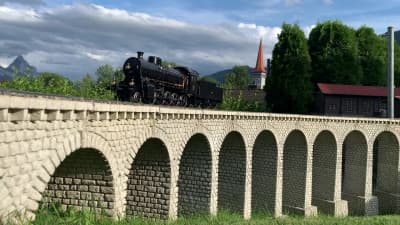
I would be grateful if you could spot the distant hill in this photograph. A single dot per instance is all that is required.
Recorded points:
(21, 65)
(220, 75)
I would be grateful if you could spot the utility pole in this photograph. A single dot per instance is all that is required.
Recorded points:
(390, 75)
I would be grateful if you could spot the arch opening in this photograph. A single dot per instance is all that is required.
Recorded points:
(324, 171)
(232, 173)
(149, 181)
(194, 181)
(82, 181)
(385, 172)
(264, 160)
(294, 173)
(354, 169)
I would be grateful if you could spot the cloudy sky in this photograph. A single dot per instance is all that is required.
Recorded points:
(75, 37)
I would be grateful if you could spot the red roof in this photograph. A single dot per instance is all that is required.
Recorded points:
(342, 89)
(260, 67)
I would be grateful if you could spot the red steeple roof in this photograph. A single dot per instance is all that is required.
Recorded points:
(260, 67)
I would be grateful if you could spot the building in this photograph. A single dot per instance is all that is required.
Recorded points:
(259, 73)
(354, 100)
(397, 37)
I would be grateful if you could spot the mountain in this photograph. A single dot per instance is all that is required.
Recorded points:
(220, 75)
(21, 65)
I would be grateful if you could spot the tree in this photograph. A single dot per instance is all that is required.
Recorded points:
(105, 75)
(237, 79)
(288, 88)
(372, 57)
(334, 54)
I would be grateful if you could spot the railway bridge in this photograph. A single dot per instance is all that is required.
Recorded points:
(166, 162)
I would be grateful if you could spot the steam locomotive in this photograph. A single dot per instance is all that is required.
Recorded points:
(147, 81)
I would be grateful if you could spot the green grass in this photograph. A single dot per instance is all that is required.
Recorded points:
(55, 216)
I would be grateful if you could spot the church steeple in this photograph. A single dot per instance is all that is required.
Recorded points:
(259, 73)
(260, 67)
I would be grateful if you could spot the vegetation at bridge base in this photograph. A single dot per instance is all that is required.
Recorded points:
(57, 216)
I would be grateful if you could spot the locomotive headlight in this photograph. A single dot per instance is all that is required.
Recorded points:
(132, 82)
(114, 82)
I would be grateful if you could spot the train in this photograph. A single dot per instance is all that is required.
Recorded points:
(149, 82)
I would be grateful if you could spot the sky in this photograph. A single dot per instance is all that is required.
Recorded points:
(73, 38)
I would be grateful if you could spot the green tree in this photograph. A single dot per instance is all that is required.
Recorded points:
(86, 86)
(288, 87)
(105, 75)
(334, 54)
(372, 57)
(239, 104)
(237, 79)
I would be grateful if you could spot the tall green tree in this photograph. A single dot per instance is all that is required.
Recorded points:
(105, 75)
(237, 79)
(289, 89)
(372, 57)
(334, 53)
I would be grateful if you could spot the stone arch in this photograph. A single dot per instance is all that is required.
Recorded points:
(294, 172)
(149, 181)
(386, 172)
(324, 171)
(232, 173)
(58, 150)
(194, 183)
(264, 168)
(354, 170)
(82, 180)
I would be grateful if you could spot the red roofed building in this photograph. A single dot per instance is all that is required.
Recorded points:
(354, 100)
(259, 73)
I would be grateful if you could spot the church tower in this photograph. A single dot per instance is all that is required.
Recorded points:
(259, 73)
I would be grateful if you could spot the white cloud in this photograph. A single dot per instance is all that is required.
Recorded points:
(328, 2)
(76, 39)
(269, 34)
(307, 30)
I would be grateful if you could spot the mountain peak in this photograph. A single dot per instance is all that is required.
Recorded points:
(22, 66)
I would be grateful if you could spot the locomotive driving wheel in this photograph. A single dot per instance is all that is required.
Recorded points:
(136, 97)
(155, 98)
(183, 100)
(174, 99)
(166, 98)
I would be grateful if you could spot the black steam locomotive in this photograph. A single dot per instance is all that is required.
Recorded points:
(150, 82)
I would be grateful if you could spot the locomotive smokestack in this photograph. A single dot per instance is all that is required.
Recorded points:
(140, 55)
(390, 80)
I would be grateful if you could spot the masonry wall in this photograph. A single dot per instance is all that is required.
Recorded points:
(149, 181)
(354, 169)
(386, 172)
(294, 172)
(144, 146)
(232, 174)
(264, 173)
(82, 181)
(195, 178)
(324, 171)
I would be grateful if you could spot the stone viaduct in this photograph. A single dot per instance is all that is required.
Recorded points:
(166, 162)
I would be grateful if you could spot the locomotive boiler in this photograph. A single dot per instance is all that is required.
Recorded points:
(148, 81)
